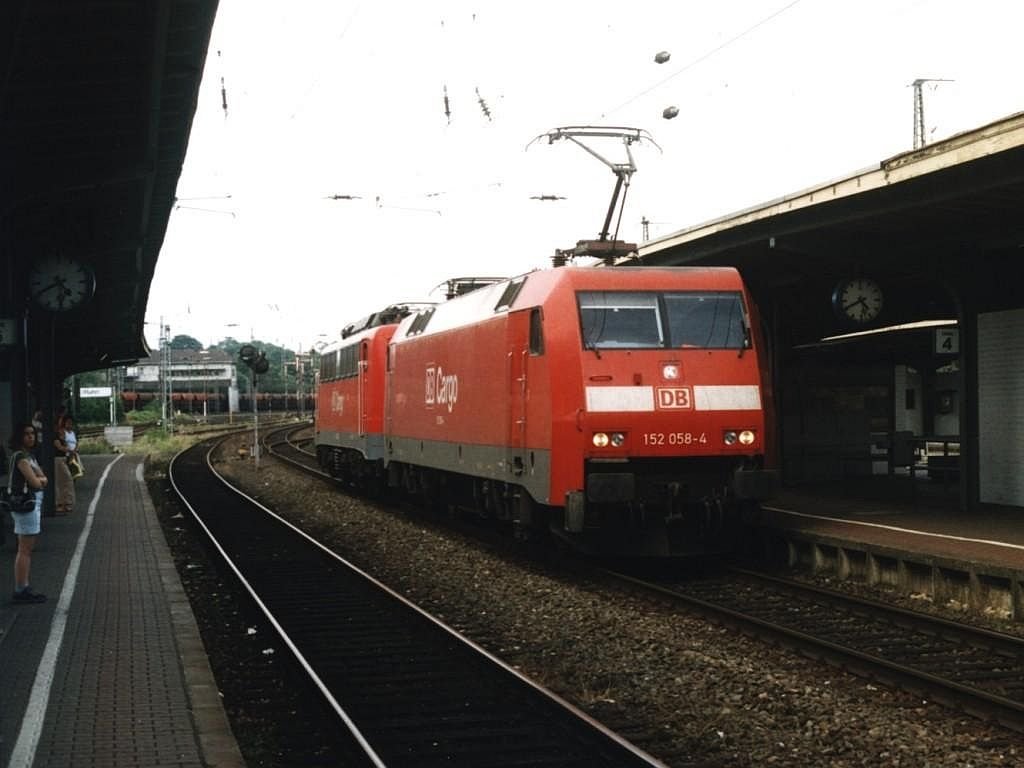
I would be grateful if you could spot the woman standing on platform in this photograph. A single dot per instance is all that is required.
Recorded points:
(65, 443)
(26, 474)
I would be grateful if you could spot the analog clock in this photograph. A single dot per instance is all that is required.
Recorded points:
(59, 284)
(858, 300)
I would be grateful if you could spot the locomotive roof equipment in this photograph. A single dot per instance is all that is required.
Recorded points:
(386, 316)
(456, 286)
(603, 248)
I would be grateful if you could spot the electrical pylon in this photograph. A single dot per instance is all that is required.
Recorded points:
(919, 139)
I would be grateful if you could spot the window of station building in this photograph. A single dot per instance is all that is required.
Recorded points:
(705, 319)
(509, 294)
(536, 332)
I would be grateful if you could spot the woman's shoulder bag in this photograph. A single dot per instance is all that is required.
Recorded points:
(16, 501)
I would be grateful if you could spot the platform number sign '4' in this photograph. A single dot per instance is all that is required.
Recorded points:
(947, 341)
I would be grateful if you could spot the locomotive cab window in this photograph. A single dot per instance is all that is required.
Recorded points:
(616, 319)
(706, 319)
(650, 320)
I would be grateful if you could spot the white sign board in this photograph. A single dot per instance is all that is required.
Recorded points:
(947, 341)
(118, 436)
(95, 392)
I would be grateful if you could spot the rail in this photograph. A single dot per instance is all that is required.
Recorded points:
(966, 668)
(409, 690)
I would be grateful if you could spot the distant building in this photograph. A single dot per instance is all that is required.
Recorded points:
(199, 381)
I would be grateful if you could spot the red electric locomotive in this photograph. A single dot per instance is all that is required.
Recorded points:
(621, 408)
(349, 422)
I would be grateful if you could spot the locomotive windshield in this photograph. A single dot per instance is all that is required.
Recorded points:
(650, 320)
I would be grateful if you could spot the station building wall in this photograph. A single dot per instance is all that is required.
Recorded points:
(1001, 407)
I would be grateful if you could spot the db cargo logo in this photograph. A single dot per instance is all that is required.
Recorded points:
(442, 388)
(674, 398)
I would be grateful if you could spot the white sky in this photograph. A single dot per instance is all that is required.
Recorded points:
(338, 97)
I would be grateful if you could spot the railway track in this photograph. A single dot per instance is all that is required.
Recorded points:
(969, 669)
(286, 445)
(409, 690)
(974, 670)
(210, 428)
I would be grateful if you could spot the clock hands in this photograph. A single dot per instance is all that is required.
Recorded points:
(857, 300)
(58, 283)
(63, 292)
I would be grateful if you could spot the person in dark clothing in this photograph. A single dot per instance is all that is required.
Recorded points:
(26, 474)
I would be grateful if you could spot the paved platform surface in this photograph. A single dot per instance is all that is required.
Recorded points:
(110, 671)
(925, 520)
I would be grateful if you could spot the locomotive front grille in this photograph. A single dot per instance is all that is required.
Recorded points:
(658, 481)
(611, 487)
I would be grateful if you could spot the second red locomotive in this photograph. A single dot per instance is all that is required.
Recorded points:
(621, 408)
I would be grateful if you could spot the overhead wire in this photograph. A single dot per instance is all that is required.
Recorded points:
(703, 57)
(320, 70)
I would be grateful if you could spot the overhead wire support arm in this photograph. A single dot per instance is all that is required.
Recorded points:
(623, 171)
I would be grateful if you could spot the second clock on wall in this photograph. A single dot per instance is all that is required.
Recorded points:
(858, 300)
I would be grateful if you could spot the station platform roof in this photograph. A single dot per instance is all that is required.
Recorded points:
(943, 215)
(96, 107)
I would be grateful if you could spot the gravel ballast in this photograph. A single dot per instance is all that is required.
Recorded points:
(687, 691)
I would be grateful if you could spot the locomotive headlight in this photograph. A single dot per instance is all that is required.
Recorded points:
(604, 439)
(670, 371)
(747, 437)
(730, 437)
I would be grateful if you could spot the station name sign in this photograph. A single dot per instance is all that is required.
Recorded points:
(95, 392)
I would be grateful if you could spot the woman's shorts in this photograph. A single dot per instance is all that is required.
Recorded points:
(28, 523)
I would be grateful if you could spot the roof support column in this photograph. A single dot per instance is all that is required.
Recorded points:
(970, 471)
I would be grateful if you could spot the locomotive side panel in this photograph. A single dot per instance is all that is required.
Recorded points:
(528, 413)
(448, 400)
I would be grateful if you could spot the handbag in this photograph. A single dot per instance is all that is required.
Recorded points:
(75, 466)
(16, 501)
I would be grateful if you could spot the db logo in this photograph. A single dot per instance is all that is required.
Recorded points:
(442, 388)
(673, 397)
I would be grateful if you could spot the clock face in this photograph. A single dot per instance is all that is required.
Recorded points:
(858, 300)
(59, 284)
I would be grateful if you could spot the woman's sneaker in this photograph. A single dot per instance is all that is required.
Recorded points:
(28, 596)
